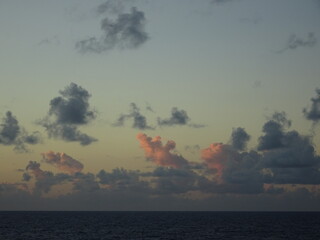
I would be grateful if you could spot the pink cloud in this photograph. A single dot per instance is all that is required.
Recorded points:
(34, 167)
(160, 154)
(63, 162)
(218, 156)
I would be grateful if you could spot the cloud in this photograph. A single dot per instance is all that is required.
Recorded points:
(289, 156)
(178, 117)
(313, 113)
(63, 162)
(239, 138)
(159, 154)
(45, 179)
(13, 197)
(122, 179)
(127, 31)
(273, 130)
(72, 107)
(231, 166)
(111, 6)
(26, 177)
(295, 42)
(139, 121)
(68, 112)
(9, 129)
(12, 134)
(85, 182)
(284, 157)
(296, 152)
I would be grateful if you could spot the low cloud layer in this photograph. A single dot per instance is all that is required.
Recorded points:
(139, 121)
(67, 113)
(125, 31)
(287, 170)
(11, 134)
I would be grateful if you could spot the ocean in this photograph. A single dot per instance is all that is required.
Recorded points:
(159, 225)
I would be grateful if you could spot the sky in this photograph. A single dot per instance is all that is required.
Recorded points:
(197, 105)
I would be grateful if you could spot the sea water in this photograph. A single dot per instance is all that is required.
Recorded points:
(159, 225)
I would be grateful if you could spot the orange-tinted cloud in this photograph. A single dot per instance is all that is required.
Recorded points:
(63, 162)
(217, 157)
(160, 154)
(34, 167)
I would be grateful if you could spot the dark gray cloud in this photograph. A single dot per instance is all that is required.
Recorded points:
(127, 31)
(67, 133)
(273, 130)
(72, 107)
(13, 197)
(68, 112)
(124, 180)
(85, 182)
(295, 42)
(9, 129)
(286, 157)
(139, 121)
(239, 138)
(26, 177)
(12, 134)
(304, 175)
(45, 180)
(296, 152)
(178, 117)
(33, 138)
(118, 176)
(289, 156)
(313, 113)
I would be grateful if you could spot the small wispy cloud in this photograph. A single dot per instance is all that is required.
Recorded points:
(295, 42)
(139, 120)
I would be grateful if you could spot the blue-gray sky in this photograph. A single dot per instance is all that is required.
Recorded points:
(220, 81)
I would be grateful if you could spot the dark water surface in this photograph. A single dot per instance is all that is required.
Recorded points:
(159, 225)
